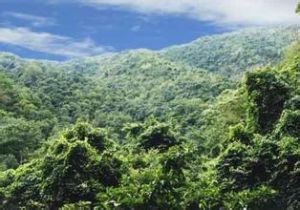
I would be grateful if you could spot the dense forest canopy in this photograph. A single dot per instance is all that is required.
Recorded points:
(209, 125)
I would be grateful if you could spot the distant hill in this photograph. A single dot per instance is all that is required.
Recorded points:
(232, 54)
(110, 90)
(229, 54)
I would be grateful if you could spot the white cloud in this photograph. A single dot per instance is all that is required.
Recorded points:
(50, 43)
(228, 12)
(33, 20)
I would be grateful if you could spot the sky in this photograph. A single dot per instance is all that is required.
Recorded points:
(66, 29)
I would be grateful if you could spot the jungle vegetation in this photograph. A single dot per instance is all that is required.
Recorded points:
(190, 127)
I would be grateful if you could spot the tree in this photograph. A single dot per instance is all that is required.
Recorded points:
(267, 96)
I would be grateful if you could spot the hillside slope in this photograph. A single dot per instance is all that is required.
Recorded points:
(255, 164)
(232, 54)
(40, 98)
(107, 92)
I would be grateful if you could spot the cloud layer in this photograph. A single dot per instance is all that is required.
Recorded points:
(49, 43)
(228, 12)
(33, 20)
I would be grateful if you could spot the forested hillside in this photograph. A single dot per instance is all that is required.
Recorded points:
(175, 129)
(109, 92)
(232, 54)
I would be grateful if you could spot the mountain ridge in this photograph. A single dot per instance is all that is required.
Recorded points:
(229, 54)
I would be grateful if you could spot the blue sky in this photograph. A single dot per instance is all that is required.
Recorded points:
(63, 29)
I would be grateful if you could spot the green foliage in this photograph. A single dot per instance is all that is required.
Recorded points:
(75, 206)
(240, 134)
(254, 199)
(157, 136)
(18, 138)
(97, 138)
(289, 124)
(135, 130)
(234, 53)
(70, 171)
(252, 161)
(267, 97)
